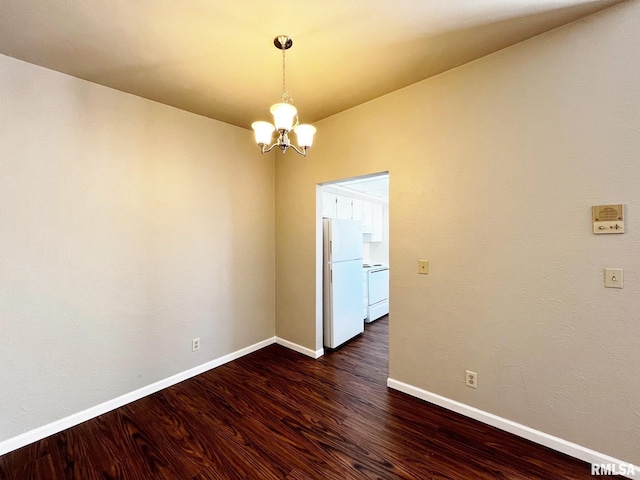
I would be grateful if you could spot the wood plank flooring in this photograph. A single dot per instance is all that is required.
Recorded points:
(276, 414)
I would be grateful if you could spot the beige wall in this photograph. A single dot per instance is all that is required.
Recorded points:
(494, 167)
(127, 228)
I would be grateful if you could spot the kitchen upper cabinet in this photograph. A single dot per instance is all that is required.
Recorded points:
(357, 212)
(367, 217)
(377, 221)
(343, 207)
(370, 214)
(329, 205)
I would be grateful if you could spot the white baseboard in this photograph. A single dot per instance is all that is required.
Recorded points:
(555, 443)
(299, 348)
(72, 420)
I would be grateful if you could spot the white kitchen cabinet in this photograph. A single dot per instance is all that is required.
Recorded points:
(357, 209)
(377, 223)
(370, 214)
(329, 205)
(343, 207)
(367, 217)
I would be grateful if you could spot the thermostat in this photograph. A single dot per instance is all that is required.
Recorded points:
(608, 219)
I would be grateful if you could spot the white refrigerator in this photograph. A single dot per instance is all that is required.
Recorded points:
(342, 281)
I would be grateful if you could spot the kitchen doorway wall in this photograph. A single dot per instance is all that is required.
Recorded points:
(365, 197)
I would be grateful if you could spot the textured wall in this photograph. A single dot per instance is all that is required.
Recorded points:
(494, 167)
(127, 228)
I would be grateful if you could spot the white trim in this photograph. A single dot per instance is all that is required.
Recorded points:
(536, 436)
(299, 348)
(44, 431)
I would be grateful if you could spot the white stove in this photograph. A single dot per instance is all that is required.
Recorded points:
(376, 291)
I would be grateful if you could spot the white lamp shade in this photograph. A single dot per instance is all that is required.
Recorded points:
(283, 115)
(263, 132)
(305, 134)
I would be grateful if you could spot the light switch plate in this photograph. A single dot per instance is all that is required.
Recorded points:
(613, 278)
(423, 267)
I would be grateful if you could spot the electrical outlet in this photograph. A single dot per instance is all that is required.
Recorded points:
(195, 344)
(471, 380)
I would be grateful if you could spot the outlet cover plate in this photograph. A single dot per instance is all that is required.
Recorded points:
(471, 379)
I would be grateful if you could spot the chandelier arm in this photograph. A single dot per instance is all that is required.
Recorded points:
(267, 150)
(302, 152)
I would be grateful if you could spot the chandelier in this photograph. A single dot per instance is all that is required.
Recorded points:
(285, 117)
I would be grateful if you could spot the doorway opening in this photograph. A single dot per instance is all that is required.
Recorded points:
(363, 200)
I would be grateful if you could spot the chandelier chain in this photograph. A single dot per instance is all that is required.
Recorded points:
(286, 96)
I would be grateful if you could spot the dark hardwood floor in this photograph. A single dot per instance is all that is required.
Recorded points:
(276, 414)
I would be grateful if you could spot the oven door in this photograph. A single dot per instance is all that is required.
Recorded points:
(378, 286)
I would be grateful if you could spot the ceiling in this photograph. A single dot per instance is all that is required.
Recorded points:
(216, 58)
(375, 186)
